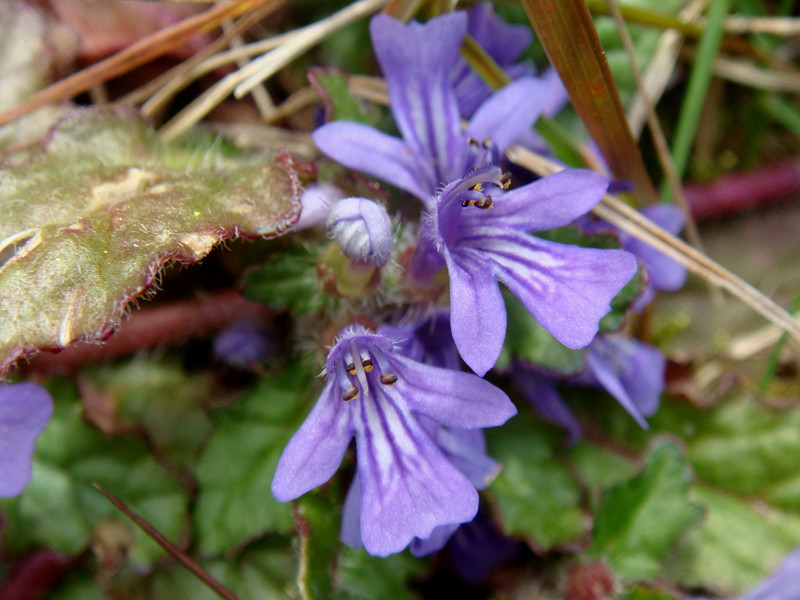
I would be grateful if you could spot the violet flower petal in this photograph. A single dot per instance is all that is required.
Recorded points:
(25, 409)
(316, 449)
(451, 398)
(567, 289)
(503, 42)
(408, 487)
(550, 202)
(542, 392)
(428, 341)
(466, 449)
(663, 272)
(630, 370)
(416, 60)
(508, 113)
(387, 158)
(351, 515)
(244, 343)
(435, 542)
(477, 311)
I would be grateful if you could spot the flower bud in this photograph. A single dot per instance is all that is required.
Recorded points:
(363, 230)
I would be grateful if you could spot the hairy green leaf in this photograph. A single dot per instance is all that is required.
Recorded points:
(87, 221)
(235, 472)
(536, 495)
(641, 519)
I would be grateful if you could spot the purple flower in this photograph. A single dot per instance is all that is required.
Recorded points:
(417, 62)
(630, 370)
(25, 409)
(542, 392)
(481, 233)
(428, 341)
(244, 344)
(504, 43)
(466, 450)
(663, 273)
(408, 487)
(477, 548)
(363, 229)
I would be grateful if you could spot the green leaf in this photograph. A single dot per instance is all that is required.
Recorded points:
(77, 588)
(156, 396)
(747, 449)
(235, 502)
(288, 280)
(599, 468)
(87, 222)
(320, 524)
(737, 545)
(620, 303)
(643, 593)
(528, 341)
(536, 495)
(60, 509)
(365, 577)
(640, 520)
(339, 102)
(263, 570)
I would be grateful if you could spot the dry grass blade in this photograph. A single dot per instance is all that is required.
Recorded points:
(168, 546)
(258, 70)
(780, 26)
(164, 87)
(627, 219)
(131, 57)
(266, 66)
(661, 67)
(746, 73)
(659, 139)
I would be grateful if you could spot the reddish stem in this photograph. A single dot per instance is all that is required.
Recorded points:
(740, 192)
(152, 327)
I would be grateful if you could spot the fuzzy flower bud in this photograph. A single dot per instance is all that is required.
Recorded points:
(363, 229)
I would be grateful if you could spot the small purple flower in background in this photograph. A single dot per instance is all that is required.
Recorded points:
(504, 43)
(663, 273)
(428, 341)
(542, 392)
(25, 409)
(484, 240)
(363, 229)
(630, 370)
(386, 401)
(244, 344)
(417, 62)
(477, 548)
